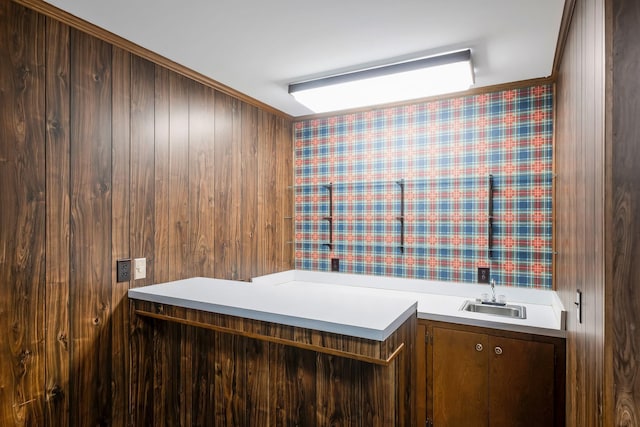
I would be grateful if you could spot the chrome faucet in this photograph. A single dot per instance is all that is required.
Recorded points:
(493, 290)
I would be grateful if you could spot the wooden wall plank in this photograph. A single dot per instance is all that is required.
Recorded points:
(161, 185)
(257, 391)
(167, 378)
(179, 196)
(120, 226)
(249, 194)
(284, 170)
(337, 391)
(142, 231)
(623, 275)
(204, 379)
(22, 223)
(57, 258)
(235, 190)
(163, 401)
(269, 212)
(202, 219)
(142, 165)
(90, 238)
(186, 383)
(229, 408)
(293, 388)
(227, 186)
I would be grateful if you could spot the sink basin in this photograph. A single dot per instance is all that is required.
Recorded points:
(508, 310)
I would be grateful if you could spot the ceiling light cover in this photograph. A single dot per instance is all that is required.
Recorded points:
(434, 75)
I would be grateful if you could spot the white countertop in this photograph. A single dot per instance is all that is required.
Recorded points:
(371, 307)
(439, 300)
(343, 310)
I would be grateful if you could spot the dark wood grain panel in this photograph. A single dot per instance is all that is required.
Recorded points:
(162, 197)
(142, 229)
(249, 193)
(592, 234)
(405, 376)
(120, 226)
(225, 377)
(167, 374)
(227, 186)
(624, 272)
(90, 221)
(257, 391)
(229, 407)
(579, 194)
(164, 401)
(186, 385)
(292, 386)
(365, 350)
(142, 203)
(202, 177)
(204, 379)
(380, 407)
(22, 222)
(268, 208)
(338, 391)
(284, 180)
(57, 258)
(179, 196)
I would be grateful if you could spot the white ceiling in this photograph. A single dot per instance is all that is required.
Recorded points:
(259, 47)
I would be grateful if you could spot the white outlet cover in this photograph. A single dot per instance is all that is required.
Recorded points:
(139, 268)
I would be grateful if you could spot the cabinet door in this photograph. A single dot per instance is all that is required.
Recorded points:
(460, 381)
(521, 383)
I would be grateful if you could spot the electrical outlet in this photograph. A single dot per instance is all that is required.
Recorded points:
(123, 270)
(139, 268)
(483, 274)
(335, 264)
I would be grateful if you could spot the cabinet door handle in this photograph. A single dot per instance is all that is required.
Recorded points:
(498, 350)
(479, 347)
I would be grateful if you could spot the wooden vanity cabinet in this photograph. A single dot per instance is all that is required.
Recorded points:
(470, 376)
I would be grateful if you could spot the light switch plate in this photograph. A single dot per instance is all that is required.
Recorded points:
(139, 268)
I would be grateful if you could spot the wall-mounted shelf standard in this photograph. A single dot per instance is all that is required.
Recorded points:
(329, 217)
(490, 226)
(400, 217)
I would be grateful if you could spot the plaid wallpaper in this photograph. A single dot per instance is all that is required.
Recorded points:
(441, 155)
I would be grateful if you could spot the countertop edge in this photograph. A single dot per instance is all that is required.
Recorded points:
(295, 321)
(557, 333)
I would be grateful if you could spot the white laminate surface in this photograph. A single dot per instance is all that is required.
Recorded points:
(342, 310)
(437, 300)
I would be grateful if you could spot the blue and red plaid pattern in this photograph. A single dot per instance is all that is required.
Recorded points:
(444, 151)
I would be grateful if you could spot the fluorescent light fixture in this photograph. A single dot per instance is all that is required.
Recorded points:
(433, 75)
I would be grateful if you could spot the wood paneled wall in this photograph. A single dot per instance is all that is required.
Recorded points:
(579, 204)
(623, 212)
(598, 196)
(104, 155)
